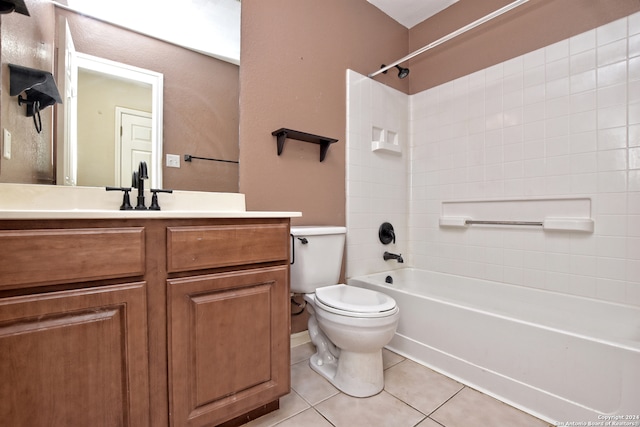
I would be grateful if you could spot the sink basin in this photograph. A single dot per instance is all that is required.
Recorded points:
(43, 201)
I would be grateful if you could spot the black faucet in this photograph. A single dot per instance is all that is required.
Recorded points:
(138, 182)
(388, 255)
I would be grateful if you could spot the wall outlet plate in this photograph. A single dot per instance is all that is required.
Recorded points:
(6, 144)
(173, 161)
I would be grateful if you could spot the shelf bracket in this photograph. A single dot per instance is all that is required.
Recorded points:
(283, 133)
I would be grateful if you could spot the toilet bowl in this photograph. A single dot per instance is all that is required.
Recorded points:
(348, 325)
(350, 342)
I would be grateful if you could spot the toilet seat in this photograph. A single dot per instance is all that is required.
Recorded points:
(355, 302)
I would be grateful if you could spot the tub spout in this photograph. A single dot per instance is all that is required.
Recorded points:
(388, 255)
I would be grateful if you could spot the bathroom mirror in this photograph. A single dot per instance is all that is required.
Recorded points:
(171, 117)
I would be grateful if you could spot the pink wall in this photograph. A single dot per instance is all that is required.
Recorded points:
(294, 57)
(27, 41)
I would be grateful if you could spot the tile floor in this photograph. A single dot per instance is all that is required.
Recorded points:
(405, 401)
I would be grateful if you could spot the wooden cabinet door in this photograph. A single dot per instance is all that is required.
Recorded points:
(75, 358)
(228, 344)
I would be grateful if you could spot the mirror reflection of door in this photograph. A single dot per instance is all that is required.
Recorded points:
(99, 96)
(67, 173)
(88, 124)
(133, 143)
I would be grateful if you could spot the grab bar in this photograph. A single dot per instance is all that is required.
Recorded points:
(473, 221)
(550, 223)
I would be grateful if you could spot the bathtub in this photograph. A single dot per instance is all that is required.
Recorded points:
(561, 358)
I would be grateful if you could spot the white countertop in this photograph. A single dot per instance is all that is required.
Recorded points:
(26, 201)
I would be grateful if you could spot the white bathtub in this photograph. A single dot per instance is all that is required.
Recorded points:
(558, 357)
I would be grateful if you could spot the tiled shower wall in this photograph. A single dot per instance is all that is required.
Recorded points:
(377, 181)
(562, 121)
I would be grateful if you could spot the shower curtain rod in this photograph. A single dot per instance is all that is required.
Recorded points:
(451, 35)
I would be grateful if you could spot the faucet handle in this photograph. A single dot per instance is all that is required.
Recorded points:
(154, 199)
(126, 202)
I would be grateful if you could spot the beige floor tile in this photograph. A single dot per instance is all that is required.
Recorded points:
(428, 422)
(309, 385)
(290, 405)
(302, 352)
(420, 387)
(389, 358)
(470, 408)
(308, 418)
(381, 410)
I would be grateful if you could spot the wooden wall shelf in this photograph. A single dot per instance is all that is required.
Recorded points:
(283, 133)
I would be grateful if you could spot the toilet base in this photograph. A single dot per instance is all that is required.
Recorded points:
(356, 374)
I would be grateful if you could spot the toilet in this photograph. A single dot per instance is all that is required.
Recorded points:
(348, 325)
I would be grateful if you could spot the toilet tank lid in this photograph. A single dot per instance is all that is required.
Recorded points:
(317, 230)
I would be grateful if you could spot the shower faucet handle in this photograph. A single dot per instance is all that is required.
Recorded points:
(386, 233)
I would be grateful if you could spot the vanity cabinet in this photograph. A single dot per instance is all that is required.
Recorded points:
(143, 322)
(228, 330)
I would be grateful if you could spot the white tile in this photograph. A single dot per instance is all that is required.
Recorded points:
(610, 225)
(556, 126)
(634, 46)
(615, 73)
(634, 70)
(533, 112)
(634, 177)
(582, 101)
(611, 268)
(584, 163)
(634, 163)
(612, 95)
(612, 52)
(583, 61)
(533, 59)
(612, 160)
(582, 42)
(611, 117)
(612, 247)
(634, 113)
(583, 81)
(612, 138)
(608, 33)
(584, 183)
(582, 142)
(582, 122)
(557, 69)
(557, 107)
(614, 181)
(556, 88)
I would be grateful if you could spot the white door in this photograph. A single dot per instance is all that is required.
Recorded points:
(67, 137)
(134, 143)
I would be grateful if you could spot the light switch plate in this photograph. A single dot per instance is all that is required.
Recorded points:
(173, 161)
(6, 145)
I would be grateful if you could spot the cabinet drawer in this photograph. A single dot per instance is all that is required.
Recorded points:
(42, 257)
(195, 248)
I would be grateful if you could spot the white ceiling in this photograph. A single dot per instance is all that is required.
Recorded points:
(411, 12)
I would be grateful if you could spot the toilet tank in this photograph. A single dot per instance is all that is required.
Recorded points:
(316, 253)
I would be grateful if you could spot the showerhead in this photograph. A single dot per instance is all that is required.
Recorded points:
(402, 73)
